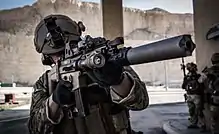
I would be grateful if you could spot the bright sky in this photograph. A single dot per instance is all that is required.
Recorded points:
(174, 6)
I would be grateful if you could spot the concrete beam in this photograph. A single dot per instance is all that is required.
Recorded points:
(205, 15)
(112, 16)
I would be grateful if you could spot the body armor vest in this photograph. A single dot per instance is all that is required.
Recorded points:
(213, 79)
(192, 84)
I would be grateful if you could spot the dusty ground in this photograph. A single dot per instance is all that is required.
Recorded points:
(149, 121)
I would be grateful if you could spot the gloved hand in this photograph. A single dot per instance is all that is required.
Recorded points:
(110, 74)
(62, 94)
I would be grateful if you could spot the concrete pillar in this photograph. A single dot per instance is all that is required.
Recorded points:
(205, 15)
(112, 15)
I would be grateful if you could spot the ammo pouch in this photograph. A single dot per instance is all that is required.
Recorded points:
(99, 122)
(121, 121)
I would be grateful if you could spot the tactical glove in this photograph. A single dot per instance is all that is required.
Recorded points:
(110, 74)
(62, 94)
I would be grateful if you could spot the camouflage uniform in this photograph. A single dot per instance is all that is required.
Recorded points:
(41, 123)
(194, 99)
(210, 78)
(212, 74)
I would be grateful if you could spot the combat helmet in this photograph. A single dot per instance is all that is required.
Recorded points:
(215, 58)
(54, 31)
(191, 67)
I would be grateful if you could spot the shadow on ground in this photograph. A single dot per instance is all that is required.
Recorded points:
(14, 121)
(149, 121)
(14, 127)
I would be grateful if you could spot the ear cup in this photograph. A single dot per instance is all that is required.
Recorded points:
(46, 60)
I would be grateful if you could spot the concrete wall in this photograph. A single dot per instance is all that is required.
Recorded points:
(112, 24)
(205, 16)
(20, 60)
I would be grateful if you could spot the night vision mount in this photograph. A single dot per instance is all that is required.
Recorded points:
(55, 34)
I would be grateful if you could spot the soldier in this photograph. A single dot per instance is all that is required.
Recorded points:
(194, 93)
(114, 90)
(211, 78)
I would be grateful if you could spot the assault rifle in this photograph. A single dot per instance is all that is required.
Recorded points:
(96, 52)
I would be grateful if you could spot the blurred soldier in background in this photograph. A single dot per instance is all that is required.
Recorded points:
(211, 80)
(194, 93)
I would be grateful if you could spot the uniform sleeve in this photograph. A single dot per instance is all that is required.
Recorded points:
(138, 98)
(39, 121)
